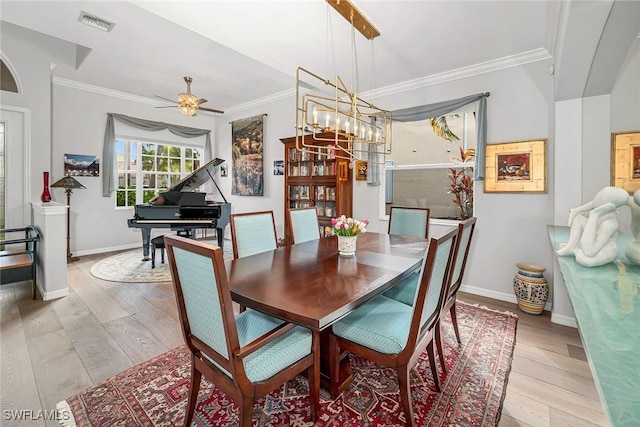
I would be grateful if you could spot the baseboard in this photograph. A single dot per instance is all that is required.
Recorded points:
(501, 296)
(108, 249)
(561, 319)
(46, 296)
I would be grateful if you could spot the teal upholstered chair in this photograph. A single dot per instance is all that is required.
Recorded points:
(409, 221)
(304, 224)
(414, 222)
(246, 356)
(394, 334)
(252, 233)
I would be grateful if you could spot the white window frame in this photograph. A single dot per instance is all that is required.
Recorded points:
(383, 179)
(139, 172)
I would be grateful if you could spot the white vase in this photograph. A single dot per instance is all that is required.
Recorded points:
(347, 245)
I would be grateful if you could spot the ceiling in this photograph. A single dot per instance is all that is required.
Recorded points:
(241, 51)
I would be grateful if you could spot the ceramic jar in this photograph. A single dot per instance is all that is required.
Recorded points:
(347, 245)
(531, 288)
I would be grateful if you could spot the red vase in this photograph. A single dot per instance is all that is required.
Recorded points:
(46, 196)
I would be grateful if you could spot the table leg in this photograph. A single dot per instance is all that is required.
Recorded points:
(344, 372)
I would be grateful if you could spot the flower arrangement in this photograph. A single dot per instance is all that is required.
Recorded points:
(343, 226)
(462, 184)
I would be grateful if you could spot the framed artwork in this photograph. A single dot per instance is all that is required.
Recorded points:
(625, 160)
(278, 167)
(246, 147)
(81, 165)
(361, 170)
(516, 167)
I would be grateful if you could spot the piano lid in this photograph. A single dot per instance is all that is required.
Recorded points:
(199, 177)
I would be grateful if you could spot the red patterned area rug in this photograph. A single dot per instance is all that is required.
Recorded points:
(155, 392)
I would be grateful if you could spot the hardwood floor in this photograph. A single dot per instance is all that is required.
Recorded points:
(53, 349)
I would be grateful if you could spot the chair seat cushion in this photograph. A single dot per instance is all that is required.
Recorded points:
(381, 324)
(278, 354)
(405, 290)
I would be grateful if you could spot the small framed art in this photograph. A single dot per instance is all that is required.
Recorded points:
(361, 170)
(625, 160)
(516, 167)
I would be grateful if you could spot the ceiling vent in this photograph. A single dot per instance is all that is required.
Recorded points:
(95, 22)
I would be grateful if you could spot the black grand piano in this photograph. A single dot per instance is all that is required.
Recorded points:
(183, 209)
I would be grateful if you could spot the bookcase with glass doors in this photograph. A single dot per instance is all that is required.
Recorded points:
(319, 180)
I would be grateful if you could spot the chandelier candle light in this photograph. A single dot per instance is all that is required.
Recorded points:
(355, 126)
(347, 230)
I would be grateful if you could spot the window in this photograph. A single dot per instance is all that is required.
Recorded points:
(419, 169)
(159, 167)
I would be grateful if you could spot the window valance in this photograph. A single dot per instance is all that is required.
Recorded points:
(109, 160)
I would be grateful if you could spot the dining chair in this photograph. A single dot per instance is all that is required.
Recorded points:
(252, 233)
(304, 224)
(394, 334)
(463, 243)
(409, 221)
(246, 356)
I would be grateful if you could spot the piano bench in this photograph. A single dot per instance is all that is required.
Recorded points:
(157, 243)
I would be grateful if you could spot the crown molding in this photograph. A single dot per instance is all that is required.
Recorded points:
(289, 93)
(104, 91)
(462, 73)
(457, 74)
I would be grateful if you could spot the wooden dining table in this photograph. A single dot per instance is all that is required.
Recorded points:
(311, 285)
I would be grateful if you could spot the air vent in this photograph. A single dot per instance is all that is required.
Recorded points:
(95, 22)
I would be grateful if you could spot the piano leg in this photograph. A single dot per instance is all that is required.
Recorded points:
(220, 235)
(146, 234)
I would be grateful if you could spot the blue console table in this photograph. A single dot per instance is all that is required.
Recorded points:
(606, 303)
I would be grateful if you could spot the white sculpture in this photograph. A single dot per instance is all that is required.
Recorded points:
(593, 226)
(633, 248)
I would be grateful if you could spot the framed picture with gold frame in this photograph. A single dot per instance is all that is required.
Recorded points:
(516, 167)
(361, 170)
(625, 160)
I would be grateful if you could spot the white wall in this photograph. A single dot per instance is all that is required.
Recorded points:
(511, 228)
(279, 123)
(79, 120)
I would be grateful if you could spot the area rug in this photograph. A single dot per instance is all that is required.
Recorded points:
(155, 392)
(128, 266)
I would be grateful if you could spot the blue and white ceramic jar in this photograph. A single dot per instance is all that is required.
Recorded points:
(531, 288)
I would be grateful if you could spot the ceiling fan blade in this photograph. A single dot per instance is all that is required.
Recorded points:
(167, 106)
(201, 101)
(211, 109)
(166, 99)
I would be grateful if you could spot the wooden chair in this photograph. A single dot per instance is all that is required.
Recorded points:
(18, 263)
(304, 224)
(465, 233)
(409, 221)
(252, 233)
(246, 356)
(394, 334)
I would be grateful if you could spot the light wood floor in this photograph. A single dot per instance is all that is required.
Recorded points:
(54, 349)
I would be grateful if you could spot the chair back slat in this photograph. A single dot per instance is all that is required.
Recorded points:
(253, 233)
(409, 221)
(304, 224)
(465, 233)
(437, 279)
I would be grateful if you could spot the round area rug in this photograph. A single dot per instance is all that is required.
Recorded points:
(129, 267)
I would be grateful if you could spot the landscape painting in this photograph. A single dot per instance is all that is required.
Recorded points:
(81, 165)
(514, 167)
(246, 151)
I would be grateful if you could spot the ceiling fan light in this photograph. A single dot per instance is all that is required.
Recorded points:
(187, 110)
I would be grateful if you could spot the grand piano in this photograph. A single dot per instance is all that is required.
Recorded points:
(183, 209)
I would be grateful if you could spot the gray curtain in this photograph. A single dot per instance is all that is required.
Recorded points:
(423, 112)
(109, 160)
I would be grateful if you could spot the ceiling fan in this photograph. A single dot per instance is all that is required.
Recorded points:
(189, 104)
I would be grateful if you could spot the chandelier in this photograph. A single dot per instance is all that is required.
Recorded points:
(355, 127)
(188, 104)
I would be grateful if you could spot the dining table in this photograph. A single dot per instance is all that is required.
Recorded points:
(311, 285)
